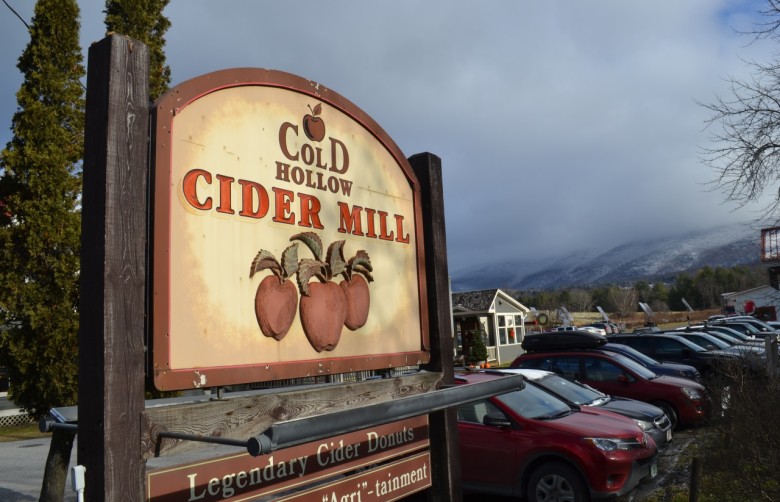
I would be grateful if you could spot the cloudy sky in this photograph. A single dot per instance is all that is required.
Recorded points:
(560, 125)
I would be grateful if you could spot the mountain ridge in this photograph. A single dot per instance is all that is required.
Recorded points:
(647, 259)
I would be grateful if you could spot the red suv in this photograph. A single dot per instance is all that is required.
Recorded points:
(529, 443)
(684, 401)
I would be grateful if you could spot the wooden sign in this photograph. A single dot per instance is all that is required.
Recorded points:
(392, 481)
(243, 477)
(287, 235)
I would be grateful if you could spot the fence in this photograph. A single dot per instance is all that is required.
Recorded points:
(14, 418)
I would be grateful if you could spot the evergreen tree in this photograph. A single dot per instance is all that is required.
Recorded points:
(40, 222)
(143, 20)
(602, 298)
(685, 288)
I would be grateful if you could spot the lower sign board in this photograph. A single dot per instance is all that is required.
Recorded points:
(391, 481)
(244, 477)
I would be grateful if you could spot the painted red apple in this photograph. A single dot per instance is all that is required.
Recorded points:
(323, 308)
(275, 305)
(323, 312)
(313, 125)
(276, 299)
(357, 275)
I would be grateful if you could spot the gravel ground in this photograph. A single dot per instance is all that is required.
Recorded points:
(674, 470)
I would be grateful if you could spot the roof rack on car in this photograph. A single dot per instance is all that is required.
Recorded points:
(563, 340)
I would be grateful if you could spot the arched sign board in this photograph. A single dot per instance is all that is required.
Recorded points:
(287, 235)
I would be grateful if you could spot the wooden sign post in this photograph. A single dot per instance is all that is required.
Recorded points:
(444, 432)
(113, 270)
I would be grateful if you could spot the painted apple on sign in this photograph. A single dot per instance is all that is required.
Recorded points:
(313, 125)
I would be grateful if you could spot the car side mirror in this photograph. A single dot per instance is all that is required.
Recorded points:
(496, 419)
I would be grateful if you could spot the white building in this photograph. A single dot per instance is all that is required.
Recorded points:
(498, 316)
(763, 302)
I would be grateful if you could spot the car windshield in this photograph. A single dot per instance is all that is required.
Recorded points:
(687, 343)
(633, 354)
(571, 391)
(745, 328)
(731, 332)
(731, 340)
(756, 323)
(703, 341)
(634, 366)
(761, 325)
(535, 403)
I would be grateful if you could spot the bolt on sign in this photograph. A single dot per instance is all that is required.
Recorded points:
(287, 235)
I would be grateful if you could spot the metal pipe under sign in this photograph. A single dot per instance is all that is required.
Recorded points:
(294, 432)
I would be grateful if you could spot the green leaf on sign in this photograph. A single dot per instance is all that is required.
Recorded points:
(335, 258)
(290, 261)
(312, 241)
(264, 261)
(306, 270)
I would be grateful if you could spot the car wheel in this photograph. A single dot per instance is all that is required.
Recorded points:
(670, 412)
(556, 482)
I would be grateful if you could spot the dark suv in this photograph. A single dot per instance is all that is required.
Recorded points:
(657, 367)
(684, 401)
(529, 443)
(673, 348)
(746, 325)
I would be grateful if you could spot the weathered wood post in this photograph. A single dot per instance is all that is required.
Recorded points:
(113, 270)
(770, 345)
(445, 462)
(696, 473)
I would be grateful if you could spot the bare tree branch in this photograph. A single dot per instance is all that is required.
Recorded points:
(17, 15)
(745, 137)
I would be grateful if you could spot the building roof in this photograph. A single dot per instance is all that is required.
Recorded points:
(479, 301)
(759, 289)
(483, 300)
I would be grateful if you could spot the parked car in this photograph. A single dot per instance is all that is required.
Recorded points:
(742, 327)
(684, 401)
(647, 329)
(754, 356)
(608, 328)
(529, 443)
(564, 328)
(651, 419)
(733, 338)
(593, 329)
(657, 367)
(757, 328)
(774, 324)
(673, 348)
(743, 337)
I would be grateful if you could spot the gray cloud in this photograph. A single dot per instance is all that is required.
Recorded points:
(560, 125)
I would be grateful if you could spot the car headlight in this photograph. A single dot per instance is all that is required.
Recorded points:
(691, 393)
(644, 424)
(612, 444)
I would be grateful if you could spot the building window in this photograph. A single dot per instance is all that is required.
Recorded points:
(508, 330)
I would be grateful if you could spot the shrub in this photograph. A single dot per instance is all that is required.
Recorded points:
(476, 350)
(742, 455)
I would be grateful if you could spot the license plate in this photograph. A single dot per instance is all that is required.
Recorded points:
(668, 435)
(654, 469)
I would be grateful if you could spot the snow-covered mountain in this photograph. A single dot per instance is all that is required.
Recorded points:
(645, 260)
